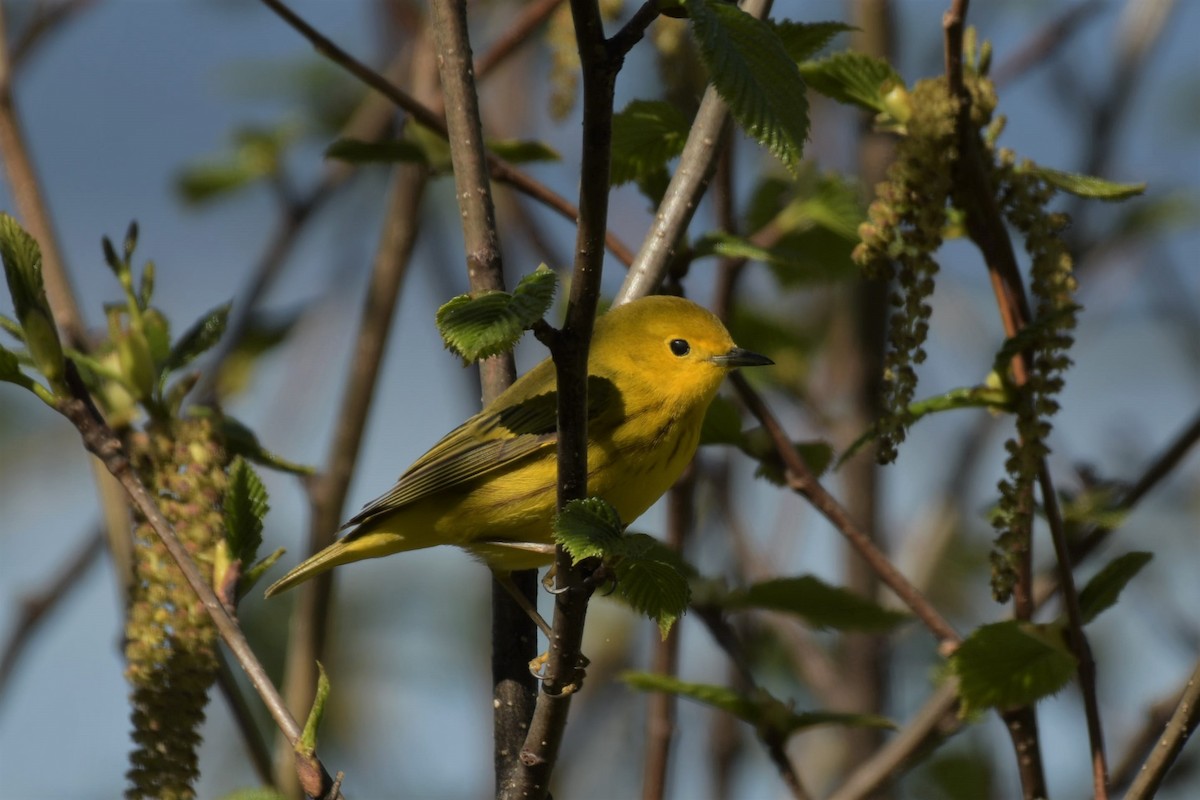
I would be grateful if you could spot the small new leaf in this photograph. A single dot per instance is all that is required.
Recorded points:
(803, 40)
(207, 331)
(1087, 185)
(652, 579)
(23, 270)
(1011, 664)
(821, 605)
(754, 74)
(245, 507)
(759, 445)
(589, 528)
(492, 323)
(1105, 587)
(646, 134)
(306, 745)
(523, 151)
(853, 78)
(241, 441)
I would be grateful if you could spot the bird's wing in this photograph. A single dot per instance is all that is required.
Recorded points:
(486, 443)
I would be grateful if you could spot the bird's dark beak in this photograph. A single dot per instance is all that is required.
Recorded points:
(738, 357)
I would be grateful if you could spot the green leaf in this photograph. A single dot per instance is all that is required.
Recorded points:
(357, 151)
(306, 745)
(252, 575)
(820, 604)
(1105, 587)
(23, 270)
(853, 78)
(205, 333)
(761, 710)
(803, 40)
(1087, 185)
(646, 134)
(12, 328)
(652, 579)
(990, 397)
(10, 367)
(245, 507)
(523, 151)
(754, 75)
(254, 793)
(492, 323)
(1011, 664)
(145, 284)
(256, 154)
(833, 204)
(241, 441)
(588, 528)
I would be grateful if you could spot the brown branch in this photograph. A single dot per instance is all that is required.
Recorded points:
(46, 20)
(99, 440)
(499, 169)
(514, 636)
(531, 17)
(563, 673)
(39, 607)
(1179, 729)
(30, 201)
(801, 480)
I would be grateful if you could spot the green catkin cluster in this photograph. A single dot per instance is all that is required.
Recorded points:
(1023, 201)
(904, 229)
(170, 645)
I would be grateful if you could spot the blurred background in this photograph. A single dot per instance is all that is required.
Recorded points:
(128, 105)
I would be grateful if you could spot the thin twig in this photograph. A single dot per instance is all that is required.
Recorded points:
(499, 169)
(1180, 727)
(99, 440)
(1046, 42)
(801, 480)
(531, 18)
(46, 20)
(39, 607)
(30, 201)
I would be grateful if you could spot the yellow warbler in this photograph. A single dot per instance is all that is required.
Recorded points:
(489, 486)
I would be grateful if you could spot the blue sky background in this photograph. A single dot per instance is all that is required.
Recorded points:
(130, 91)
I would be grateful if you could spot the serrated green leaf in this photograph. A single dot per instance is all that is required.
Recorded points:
(306, 745)
(821, 605)
(646, 134)
(1105, 587)
(990, 397)
(764, 712)
(652, 579)
(754, 75)
(834, 205)
(245, 507)
(803, 40)
(853, 78)
(205, 333)
(523, 151)
(357, 151)
(1011, 664)
(492, 323)
(1086, 185)
(588, 528)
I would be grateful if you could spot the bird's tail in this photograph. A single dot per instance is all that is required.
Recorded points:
(355, 546)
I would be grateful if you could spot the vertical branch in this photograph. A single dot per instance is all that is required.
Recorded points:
(563, 673)
(514, 637)
(31, 203)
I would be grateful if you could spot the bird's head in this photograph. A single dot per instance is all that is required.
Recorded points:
(669, 345)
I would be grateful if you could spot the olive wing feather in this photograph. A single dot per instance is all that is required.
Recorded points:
(485, 444)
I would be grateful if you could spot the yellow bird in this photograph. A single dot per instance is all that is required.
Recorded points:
(489, 486)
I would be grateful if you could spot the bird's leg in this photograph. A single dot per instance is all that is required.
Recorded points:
(505, 580)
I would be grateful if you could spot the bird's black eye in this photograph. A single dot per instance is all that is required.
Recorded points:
(680, 347)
